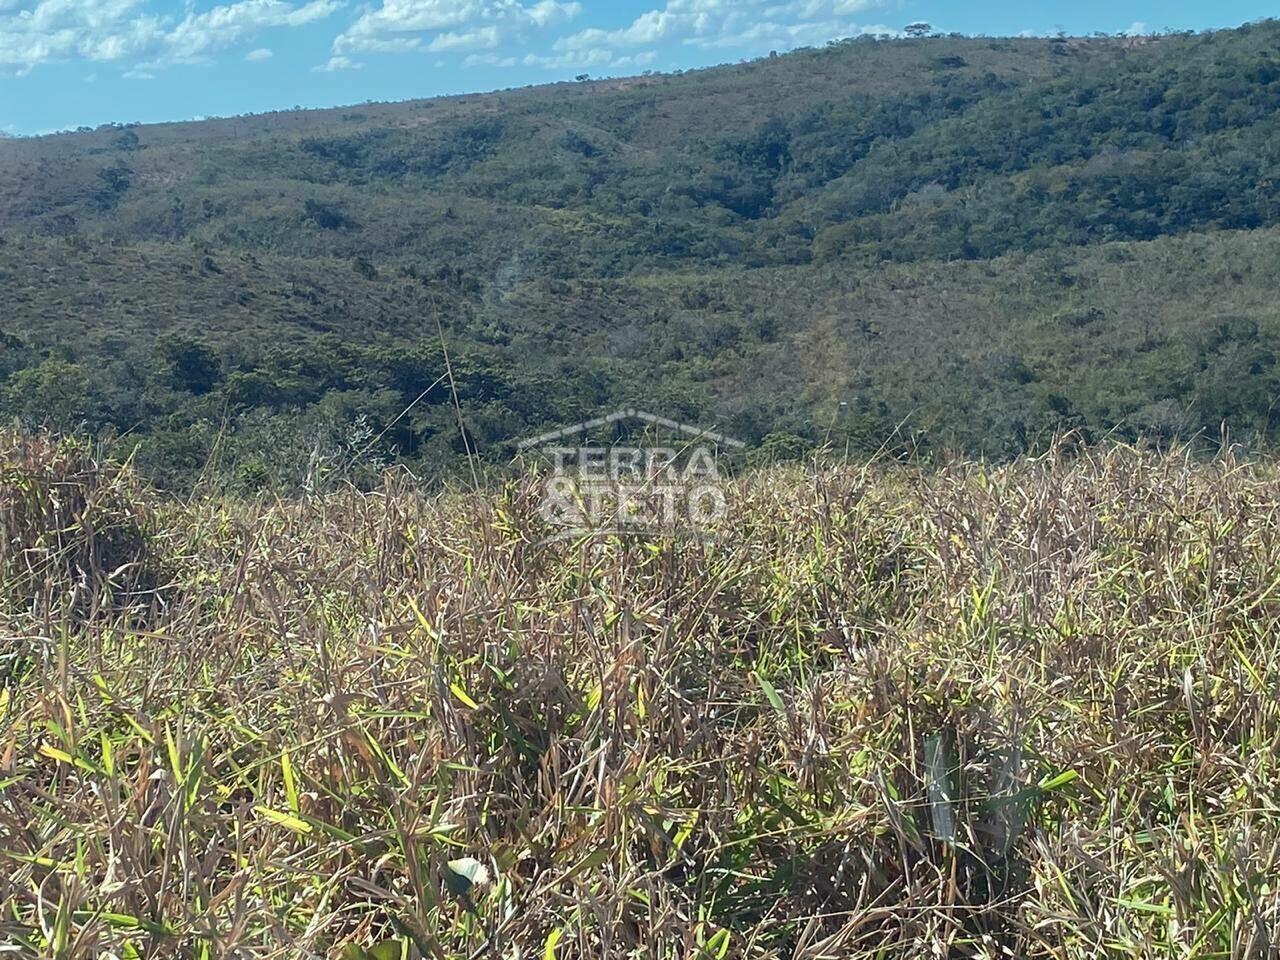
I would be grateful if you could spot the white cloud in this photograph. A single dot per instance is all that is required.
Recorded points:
(399, 26)
(227, 26)
(382, 45)
(1137, 29)
(144, 36)
(595, 58)
(511, 28)
(485, 38)
(485, 60)
(754, 25)
(642, 59)
(548, 12)
(772, 35)
(335, 64)
(646, 28)
(113, 31)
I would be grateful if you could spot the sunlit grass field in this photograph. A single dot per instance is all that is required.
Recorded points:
(976, 711)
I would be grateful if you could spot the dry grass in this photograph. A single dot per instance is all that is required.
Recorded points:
(1019, 712)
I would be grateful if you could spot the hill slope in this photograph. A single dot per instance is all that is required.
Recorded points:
(979, 240)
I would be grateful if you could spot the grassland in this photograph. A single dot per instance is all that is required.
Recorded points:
(1017, 711)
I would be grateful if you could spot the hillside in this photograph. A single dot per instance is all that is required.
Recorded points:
(968, 243)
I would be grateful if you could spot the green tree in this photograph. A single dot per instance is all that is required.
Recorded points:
(54, 392)
(192, 364)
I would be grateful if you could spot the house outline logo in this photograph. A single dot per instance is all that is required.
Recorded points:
(631, 413)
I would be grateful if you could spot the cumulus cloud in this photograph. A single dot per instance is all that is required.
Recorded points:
(647, 28)
(512, 29)
(756, 25)
(398, 26)
(772, 35)
(334, 64)
(259, 55)
(484, 38)
(485, 60)
(33, 32)
(594, 57)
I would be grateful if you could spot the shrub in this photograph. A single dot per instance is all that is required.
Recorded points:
(70, 523)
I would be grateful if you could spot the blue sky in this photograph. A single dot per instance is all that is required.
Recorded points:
(66, 63)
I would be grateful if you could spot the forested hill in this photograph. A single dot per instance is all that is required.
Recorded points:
(953, 242)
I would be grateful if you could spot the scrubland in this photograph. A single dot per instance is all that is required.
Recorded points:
(1017, 711)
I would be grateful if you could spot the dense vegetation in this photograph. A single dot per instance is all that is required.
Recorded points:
(935, 243)
(1017, 706)
(1026, 711)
